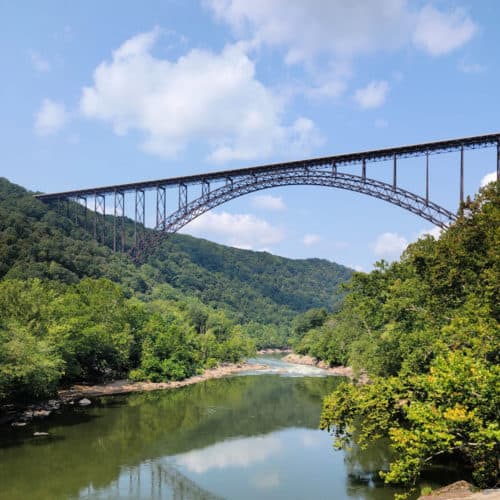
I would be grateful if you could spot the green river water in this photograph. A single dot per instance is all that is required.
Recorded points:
(244, 437)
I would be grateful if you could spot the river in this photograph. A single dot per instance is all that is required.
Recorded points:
(246, 437)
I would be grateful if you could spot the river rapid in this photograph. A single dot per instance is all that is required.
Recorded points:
(252, 436)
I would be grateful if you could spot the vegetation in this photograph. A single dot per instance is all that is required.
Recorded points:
(52, 334)
(426, 329)
(72, 310)
(37, 241)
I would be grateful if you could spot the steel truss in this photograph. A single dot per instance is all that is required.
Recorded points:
(216, 188)
(315, 176)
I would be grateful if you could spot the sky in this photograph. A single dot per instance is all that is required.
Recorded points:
(96, 93)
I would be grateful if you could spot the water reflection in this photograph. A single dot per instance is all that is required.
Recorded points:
(243, 437)
(239, 453)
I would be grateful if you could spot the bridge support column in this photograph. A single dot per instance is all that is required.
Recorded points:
(334, 169)
(100, 217)
(205, 190)
(119, 217)
(161, 207)
(394, 172)
(427, 178)
(498, 161)
(363, 169)
(183, 197)
(140, 212)
(82, 201)
(462, 174)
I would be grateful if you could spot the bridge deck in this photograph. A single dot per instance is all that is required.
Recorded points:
(436, 147)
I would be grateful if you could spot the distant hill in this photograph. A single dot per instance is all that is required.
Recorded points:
(37, 241)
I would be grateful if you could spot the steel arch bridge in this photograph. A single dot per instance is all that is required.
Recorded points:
(216, 188)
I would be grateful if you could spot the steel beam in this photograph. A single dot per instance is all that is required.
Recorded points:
(394, 172)
(161, 207)
(100, 218)
(183, 197)
(427, 178)
(205, 189)
(82, 200)
(405, 199)
(410, 151)
(119, 218)
(139, 213)
(462, 174)
(498, 160)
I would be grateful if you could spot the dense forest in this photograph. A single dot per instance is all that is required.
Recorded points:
(73, 310)
(36, 240)
(426, 330)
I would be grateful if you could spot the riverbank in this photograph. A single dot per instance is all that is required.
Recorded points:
(126, 386)
(461, 490)
(80, 394)
(299, 359)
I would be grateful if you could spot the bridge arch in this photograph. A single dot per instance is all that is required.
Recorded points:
(234, 188)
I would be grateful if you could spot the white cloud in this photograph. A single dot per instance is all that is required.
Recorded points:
(50, 118)
(373, 95)
(205, 97)
(238, 230)
(435, 232)
(491, 177)
(439, 33)
(389, 245)
(237, 453)
(38, 62)
(331, 34)
(268, 202)
(311, 239)
(308, 29)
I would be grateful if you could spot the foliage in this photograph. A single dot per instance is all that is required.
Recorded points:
(427, 331)
(53, 333)
(37, 241)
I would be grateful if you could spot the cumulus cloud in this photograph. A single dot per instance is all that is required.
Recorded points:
(439, 33)
(373, 95)
(435, 232)
(344, 29)
(268, 202)
(389, 245)
(38, 62)
(491, 177)
(308, 29)
(204, 97)
(311, 239)
(238, 230)
(50, 118)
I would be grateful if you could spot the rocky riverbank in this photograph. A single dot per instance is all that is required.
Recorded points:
(300, 359)
(461, 490)
(80, 394)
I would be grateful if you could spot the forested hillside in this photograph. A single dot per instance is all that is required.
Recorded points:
(427, 331)
(36, 241)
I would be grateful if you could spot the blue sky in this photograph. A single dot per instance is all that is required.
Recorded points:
(97, 93)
